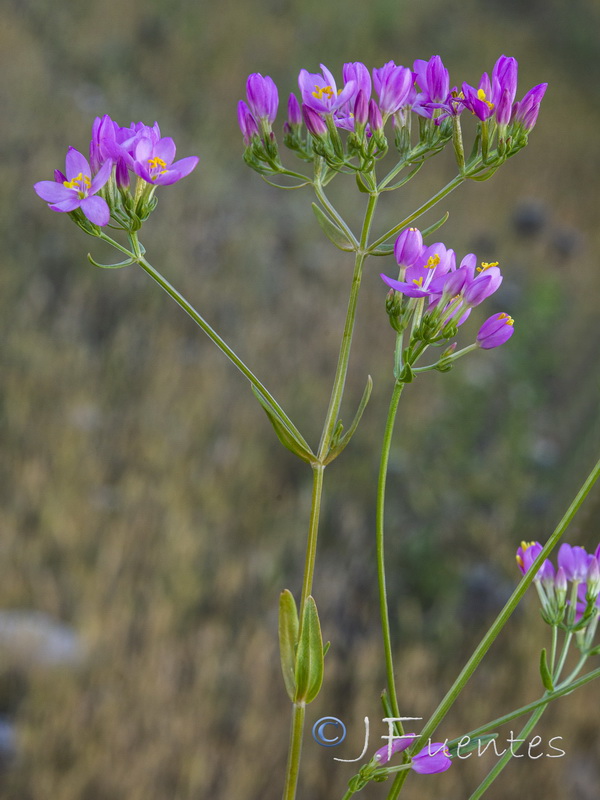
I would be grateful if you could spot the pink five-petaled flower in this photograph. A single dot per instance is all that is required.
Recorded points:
(77, 188)
(495, 331)
(319, 92)
(154, 162)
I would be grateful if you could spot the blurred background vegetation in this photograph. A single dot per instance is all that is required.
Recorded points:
(145, 501)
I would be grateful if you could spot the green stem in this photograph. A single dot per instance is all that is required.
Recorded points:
(502, 618)
(510, 751)
(421, 210)
(295, 751)
(543, 701)
(313, 531)
(214, 336)
(379, 532)
(325, 202)
(344, 355)
(510, 606)
(297, 726)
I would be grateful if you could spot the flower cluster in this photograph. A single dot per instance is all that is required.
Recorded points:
(439, 294)
(423, 89)
(98, 189)
(577, 607)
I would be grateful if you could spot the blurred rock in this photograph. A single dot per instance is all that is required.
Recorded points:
(8, 741)
(529, 218)
(34, 639)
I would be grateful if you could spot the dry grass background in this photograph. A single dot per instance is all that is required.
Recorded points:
(145, 501)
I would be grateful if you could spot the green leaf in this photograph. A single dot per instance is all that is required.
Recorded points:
(333, 232)
(309, 655)
(289, 438)
(405, 179)
(345, 439)
(121, 264)
(288, 640)
(383, 250)
(360, 182)
(436, 225)
(545, 672)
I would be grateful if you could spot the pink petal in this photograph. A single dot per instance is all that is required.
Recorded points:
(165, 149)
(76, 163)
(67, 205)
(101, 177)
(96, 210)
(53, 192)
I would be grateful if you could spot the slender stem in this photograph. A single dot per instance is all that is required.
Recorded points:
(313, 530)
(563, 656)
(510, 752)
(295, 751)
(319, 191)
(379, 532)
(510, 606)
(344, 355)
(214, 336)
(421, 210)
(297, 725)
(543, 701)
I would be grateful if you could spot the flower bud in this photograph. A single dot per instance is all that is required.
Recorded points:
(525, 112)
(408, 247)
(495, 331)
(315, 124)
(294, 110)
(375, 120)
(247, 123)
(263, 98)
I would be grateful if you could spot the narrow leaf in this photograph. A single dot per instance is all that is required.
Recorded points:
(333, 232)
(125, 263)
(383, 250)
(545, 672)
(360, 182)
(288, 639)
(289, 438)
(436, 225)
(345, 439)
(309, 655)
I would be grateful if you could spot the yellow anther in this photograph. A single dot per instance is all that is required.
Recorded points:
(432, 262)
(81, 183)
(321, 91)
(418, 281)
(481, 96)
(485, 265)
(156, 162)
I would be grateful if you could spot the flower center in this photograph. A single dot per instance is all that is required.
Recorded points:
(481, 96)
(81, 184)
(158, 166)
(323, 91)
